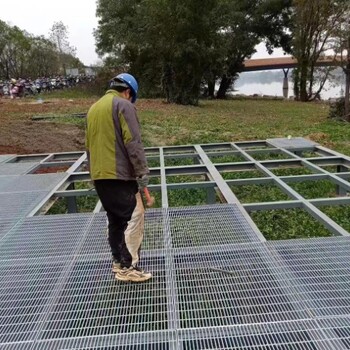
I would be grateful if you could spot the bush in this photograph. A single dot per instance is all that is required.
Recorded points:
(337, 109)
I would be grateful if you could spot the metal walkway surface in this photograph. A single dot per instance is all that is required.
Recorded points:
(218, 284)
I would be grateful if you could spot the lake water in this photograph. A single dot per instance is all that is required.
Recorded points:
(271, 83)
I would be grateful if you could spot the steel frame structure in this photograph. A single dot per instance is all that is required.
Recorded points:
(200, 157)
(217, 282)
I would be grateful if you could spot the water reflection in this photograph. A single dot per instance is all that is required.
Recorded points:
(271, 83)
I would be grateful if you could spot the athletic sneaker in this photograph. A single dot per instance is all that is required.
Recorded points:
(116, 266)
(132, 274)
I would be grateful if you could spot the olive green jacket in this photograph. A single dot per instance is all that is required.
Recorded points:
(113, 139)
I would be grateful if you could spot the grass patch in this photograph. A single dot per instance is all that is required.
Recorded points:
(188, 197)
(227, 159)
(269, 156)
(340, 214)
(84, 204)
(180, 161)
(315, 189)
(291, 171)
(288, 224)
(258, 193)
(71, 93)
(248, 174)
(185, 178)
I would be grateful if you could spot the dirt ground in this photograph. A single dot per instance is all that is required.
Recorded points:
(19, 134)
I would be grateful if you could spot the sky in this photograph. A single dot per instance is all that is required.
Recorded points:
(38, 16)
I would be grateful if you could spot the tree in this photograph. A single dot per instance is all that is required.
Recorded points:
(174, 46)
(43, 57)
(14, 45)
(59, 36)
(342, 49)
(314, 30)
(243, 25)
(163, 42)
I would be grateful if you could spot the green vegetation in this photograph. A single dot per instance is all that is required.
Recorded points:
(244, 120)
(84, 204)
(287, 224)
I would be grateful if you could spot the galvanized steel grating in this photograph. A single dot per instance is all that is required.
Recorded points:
(292, 143)
(16, 168)
(338, 330)
(242, 286)
(4, 158)
(161, 340)
(320, 272)
(31, 183)
(50, 237)
(209, 225)
(215, 284)
(5, 227)
(26, 291)
(96, 239)
(300, 335)
(19, 204)
(93, 303)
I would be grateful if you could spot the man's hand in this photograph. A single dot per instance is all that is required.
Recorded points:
(142, 181)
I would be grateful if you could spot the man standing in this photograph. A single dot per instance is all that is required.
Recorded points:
(118, 167)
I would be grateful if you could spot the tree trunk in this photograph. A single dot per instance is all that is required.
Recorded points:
(347, 94)
(303, 82)
(211, 89)
(224, 86)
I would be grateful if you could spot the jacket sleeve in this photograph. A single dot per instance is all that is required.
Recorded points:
(131, 133)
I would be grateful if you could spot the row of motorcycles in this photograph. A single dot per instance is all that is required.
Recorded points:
(16, 88)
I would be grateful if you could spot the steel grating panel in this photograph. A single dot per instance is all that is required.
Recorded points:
(22, 183)
(49, 236)
(4, 158)
(96, 241)
(294, 142)
(16, 168)
(160, 340)
(301, 335)
(209, 225)
(19, 204)
(5, 227)
(92, 303)
(320, 272)
(243, 286)
(5, 181)
(337, 330)
(26, 291)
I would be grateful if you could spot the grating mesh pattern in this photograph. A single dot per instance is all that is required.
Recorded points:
(238, 287)
(26, 290)
(96, 239)
(303, 335)
(216, 283)
(16, 168)
(5, 181)
(203, 226)
(49, 237)
(321, 272)
(92, 303)
(338, 330)
(139, 341)
(19, 204)
(22, 183)
(5, 227)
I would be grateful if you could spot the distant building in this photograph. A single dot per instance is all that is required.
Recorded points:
(90, 71)
(72, 71)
